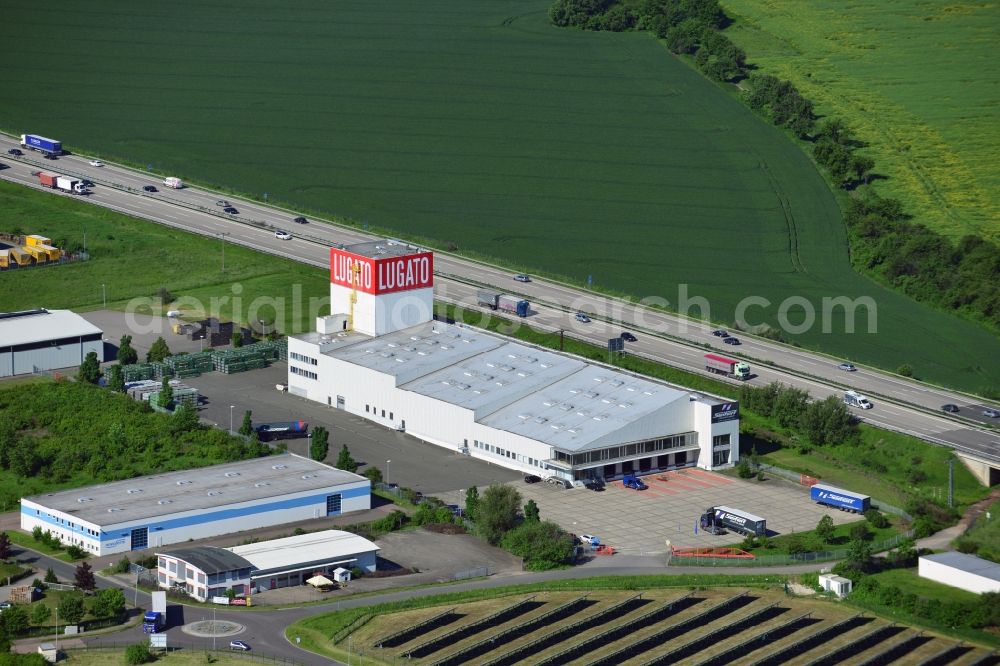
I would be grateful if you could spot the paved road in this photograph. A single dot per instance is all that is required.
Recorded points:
(900, 404)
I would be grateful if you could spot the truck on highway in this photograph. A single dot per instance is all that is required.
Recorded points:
(513, 305)
(487, 299)
(35, 142)
(839, 498)
(855, 399)
(155, 620)
(267, 432)
(175, 183)
(61, 183)
(732, 368)
(717, 518)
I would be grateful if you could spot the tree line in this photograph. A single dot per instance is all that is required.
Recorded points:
(962, 277)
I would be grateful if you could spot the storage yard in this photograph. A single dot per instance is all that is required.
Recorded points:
(17, 251)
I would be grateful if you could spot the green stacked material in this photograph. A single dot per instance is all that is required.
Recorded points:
(133, 373)
(239, 360)
(190, 365)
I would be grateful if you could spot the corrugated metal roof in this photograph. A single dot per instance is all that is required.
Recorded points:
(18, 328)
(383, 248)
(209, 559)
(328, 545)
(212, 487)
(967, 563)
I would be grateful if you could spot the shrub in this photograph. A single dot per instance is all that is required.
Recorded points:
(876, 519)
(542, 544)
(122, 566)
(138, 654)
(75, 552)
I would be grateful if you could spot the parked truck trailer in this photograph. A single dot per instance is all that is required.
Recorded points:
(35, 142)
(839, 498)
(732, 368)
(64, 183)
(716, 517)
(267, 432)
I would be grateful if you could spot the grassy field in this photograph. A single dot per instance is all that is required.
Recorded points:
(102, 657)
(984, 537)
(134, 259)
(914, 78)
(481, 125)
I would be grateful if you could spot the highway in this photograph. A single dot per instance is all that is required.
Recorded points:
(900, 404)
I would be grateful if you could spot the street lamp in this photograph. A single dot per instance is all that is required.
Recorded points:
(104, 293)
(222, 237)
(231, 407)
(263, 327)
(387, 471)
(57, 632)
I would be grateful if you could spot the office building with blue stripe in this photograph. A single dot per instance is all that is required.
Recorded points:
(154, 511)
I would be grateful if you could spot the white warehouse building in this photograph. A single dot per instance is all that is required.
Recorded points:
(961, 570)
(41, 340)
(512, 404)
(154, 511)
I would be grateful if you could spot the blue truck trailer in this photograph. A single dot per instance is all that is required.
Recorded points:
(267, 432)
(839, 498)
(35, 142)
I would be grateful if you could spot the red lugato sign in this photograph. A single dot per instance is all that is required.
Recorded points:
(381, 276)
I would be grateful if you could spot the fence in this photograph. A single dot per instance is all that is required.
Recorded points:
(253, 656)
(478, 572)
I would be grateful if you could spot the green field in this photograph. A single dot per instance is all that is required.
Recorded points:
(916, 79)
(478, 124)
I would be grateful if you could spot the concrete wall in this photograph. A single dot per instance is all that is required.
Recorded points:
(48, 358)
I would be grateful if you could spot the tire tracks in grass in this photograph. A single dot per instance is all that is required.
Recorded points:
(786, 210)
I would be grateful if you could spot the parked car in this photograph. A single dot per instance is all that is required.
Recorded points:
(732, 341)
(628, 337)
(97, 163)
(15, 151)
(950, 408)
(847, 367)
(300, 220)
(634, 482)
(992, 413)
(282, 235)
(521, 277)
(239, 645)
(719, 333)
(532, 478)
(230, 210)
(557, 481)
(590, 540)
(579, 316)
(593, 484)
(149, 188)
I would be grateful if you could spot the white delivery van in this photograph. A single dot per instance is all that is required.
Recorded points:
(855, 399)
(175, 183)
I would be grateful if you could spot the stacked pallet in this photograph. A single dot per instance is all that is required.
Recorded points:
(191, 365)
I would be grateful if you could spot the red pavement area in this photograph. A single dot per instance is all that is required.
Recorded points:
(677, 482)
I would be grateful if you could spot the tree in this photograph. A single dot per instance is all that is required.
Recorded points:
(497, 513)
(109, 603)
(373, 474)
(90, 369)
(126, 354)
(825, 529)
(542, 544)
(15, 620)
(166, 397)
(472, 503)
(185, 418)
(72, 609)
(40, 614)
(861, 166)
(246, 428)
(859, 555)
(531, 514)
(50, 576)
(237, 338)
(860, 532)
(345, 461)
(4, 546)
(116, 379)
(84, 577)
(158, 351)
(319, 446)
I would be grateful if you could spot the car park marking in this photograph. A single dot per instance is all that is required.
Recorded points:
(716, 479)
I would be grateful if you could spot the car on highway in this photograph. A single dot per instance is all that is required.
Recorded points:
(86, 183)
(991, 413)
(732, 341)
(230, 210)
(97, 163)
(847, 367)
(300, 220)
(532, 478)
(282, 235)
(719, 333)
(149, 188)
(223, 203)
(579, 316)
(50, 156)
(239, 645)
(950, 408)
(15, 151)
(628, 337)
(521, 277)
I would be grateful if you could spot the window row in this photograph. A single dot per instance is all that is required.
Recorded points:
(629, 450)
(302, 373)
(374, 412)
(505, 453)
(303, 359)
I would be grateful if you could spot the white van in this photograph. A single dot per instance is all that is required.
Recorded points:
(855, 399)
(175, 183)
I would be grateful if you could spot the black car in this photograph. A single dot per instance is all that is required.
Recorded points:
(950, 408)
(732, 341)
(49, 156)
(531, 478)
(594, 484)
(628, 337)
(87, 183)
(719, 333)
(300, 220)
(149, 188)
(230, 210)
(15, 151)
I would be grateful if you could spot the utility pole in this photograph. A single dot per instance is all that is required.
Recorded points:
(222, 237)
(104, 293)
(951, 482)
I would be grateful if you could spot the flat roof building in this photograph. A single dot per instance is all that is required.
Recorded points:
(152, 511)
(967, 572)
(41, 340)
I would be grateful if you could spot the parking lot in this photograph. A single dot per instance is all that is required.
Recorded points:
(640, 522)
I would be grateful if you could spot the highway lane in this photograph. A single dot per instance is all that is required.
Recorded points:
(669, 338)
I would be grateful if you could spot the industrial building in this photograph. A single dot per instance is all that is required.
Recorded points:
(383, 358)
(966, 572)
(154, 511)
(40, 340)
(207, 571)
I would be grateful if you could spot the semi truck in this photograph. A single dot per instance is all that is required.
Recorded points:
(35, 142)
(855, 399)
(497, 301)
(717, 518)
(839, 498)
(61, 183)
(175, 183)
(732, 368)
(267, 432)
(155, 620)
(488, 299)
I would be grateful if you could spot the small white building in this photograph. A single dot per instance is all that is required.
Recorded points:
(839, 585)
(966, 572)
(40, 340)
